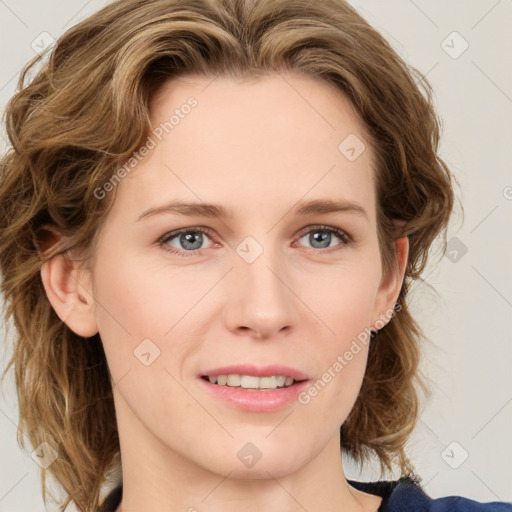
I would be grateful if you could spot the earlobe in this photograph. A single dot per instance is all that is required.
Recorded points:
(390, 286)
(68, 295)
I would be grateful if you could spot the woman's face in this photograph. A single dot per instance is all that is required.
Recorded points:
(270, 282)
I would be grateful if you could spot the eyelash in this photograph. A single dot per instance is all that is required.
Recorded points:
(344, 237)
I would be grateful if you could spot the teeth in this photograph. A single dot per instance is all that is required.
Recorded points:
(251, 382)
(233, 380)
(281, 381)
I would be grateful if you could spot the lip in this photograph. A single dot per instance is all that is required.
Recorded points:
(256, 371)
(256, 400)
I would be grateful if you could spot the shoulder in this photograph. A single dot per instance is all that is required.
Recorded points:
(406, 495)
(459, 504)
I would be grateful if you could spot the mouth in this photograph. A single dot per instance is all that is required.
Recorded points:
(253, 388)
(252, 382)
(252, 393)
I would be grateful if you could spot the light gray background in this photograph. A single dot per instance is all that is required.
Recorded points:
(469, 322)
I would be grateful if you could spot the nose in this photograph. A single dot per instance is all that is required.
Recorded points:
(261, 301)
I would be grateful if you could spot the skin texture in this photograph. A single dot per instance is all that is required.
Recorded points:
(259, 148)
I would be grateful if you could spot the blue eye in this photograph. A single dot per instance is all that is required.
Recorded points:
(189, 241)
(321, 237)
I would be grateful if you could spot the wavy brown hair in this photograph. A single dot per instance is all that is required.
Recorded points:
(85, 111)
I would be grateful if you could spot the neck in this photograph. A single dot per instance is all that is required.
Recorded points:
(158, 478)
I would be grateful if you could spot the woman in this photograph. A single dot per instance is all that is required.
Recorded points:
(211, 216)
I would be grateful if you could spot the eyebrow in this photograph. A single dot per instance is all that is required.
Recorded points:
(317, 206)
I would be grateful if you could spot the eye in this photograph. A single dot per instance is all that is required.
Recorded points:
(321, 237)
(187, 240)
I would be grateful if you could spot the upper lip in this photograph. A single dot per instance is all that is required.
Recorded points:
(256, 371)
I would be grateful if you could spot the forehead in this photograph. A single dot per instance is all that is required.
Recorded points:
(272, 140)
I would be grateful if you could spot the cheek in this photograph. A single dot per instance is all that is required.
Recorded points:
(149, 320)
(140, 315)
(130, 309)
(345, 308)
(142, 301)
(341, 298)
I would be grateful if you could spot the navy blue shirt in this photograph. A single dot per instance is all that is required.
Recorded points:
(404, 495)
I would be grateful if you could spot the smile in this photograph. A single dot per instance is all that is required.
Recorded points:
(251, 381)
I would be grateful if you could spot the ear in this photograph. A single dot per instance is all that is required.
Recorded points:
(390, 286)
(68, 288)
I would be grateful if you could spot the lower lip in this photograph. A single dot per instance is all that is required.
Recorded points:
(256, 400)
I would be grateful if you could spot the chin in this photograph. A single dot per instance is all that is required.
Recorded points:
(263, 469)
(259, 459)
